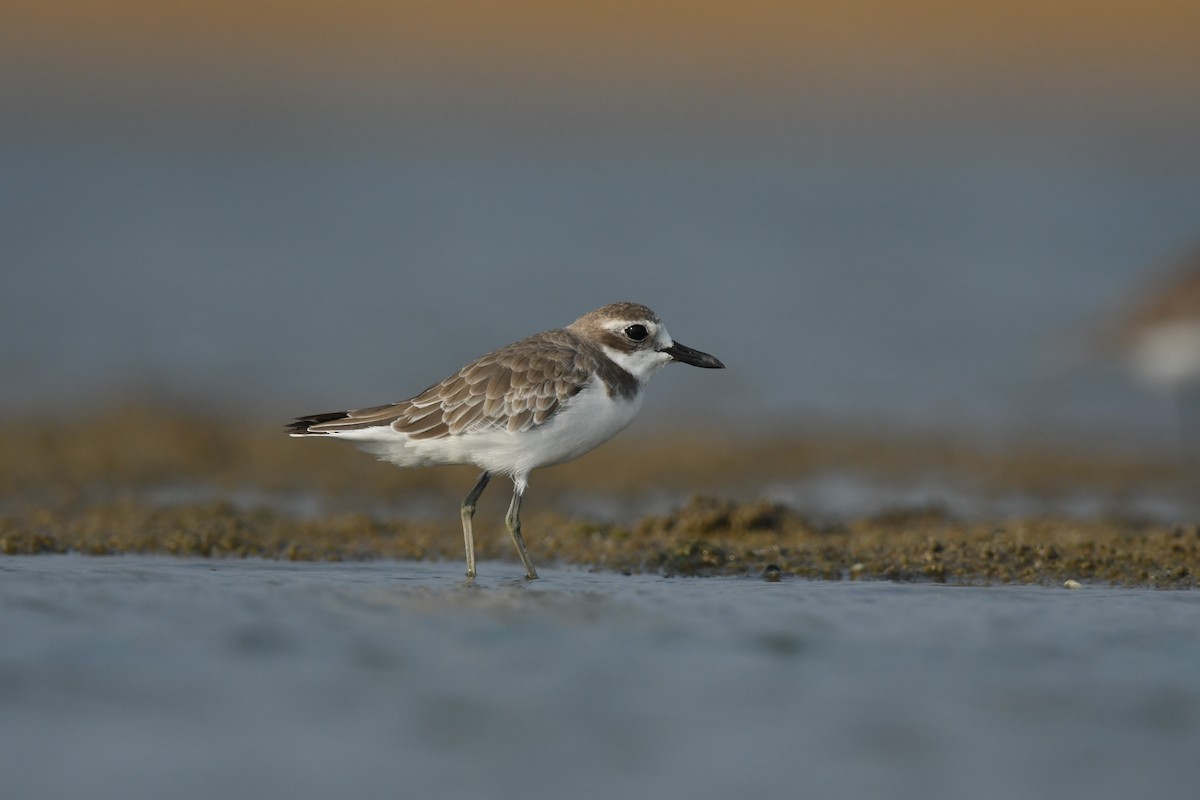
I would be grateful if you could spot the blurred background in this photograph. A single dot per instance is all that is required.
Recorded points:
(917, 215)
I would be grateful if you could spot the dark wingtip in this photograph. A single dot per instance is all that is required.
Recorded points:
(302, 424)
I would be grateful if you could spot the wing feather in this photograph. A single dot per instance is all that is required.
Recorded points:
(515, 388)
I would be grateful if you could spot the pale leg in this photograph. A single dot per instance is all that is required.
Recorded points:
(468, 511)
(512, 521)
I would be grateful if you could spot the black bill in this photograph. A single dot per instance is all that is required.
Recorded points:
(681, 352)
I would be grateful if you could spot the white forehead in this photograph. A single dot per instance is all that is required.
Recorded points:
(620, 323)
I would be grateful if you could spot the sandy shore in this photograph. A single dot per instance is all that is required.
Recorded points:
(140, 480)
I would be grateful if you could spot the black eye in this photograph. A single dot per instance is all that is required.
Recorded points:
(637, 332)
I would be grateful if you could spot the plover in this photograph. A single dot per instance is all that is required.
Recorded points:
(543, 400)
(1160, 335)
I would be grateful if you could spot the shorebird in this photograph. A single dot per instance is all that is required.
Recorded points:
(541, 401)
(1159, 338)
(1160, 335)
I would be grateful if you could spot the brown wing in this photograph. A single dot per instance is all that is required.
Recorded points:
(517, 387)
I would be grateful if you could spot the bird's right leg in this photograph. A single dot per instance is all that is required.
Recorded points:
(468, 511)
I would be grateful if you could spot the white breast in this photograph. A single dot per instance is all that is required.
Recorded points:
(1168, 353)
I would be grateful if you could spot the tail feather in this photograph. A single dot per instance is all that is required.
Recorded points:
(300, 426)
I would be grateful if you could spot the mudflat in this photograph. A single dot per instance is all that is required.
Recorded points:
(156, 481)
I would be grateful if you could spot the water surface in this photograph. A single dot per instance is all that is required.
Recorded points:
(149, 677)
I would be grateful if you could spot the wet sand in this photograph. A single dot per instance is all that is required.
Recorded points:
(149, 481)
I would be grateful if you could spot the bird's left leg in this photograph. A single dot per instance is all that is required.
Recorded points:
(512, 521)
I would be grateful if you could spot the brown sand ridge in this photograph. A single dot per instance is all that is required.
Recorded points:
(703, 41)
(146, 480)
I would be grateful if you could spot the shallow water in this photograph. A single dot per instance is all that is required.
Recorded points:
(930, 290)
(154, 677)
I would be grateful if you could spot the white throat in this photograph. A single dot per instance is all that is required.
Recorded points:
(641, 364)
